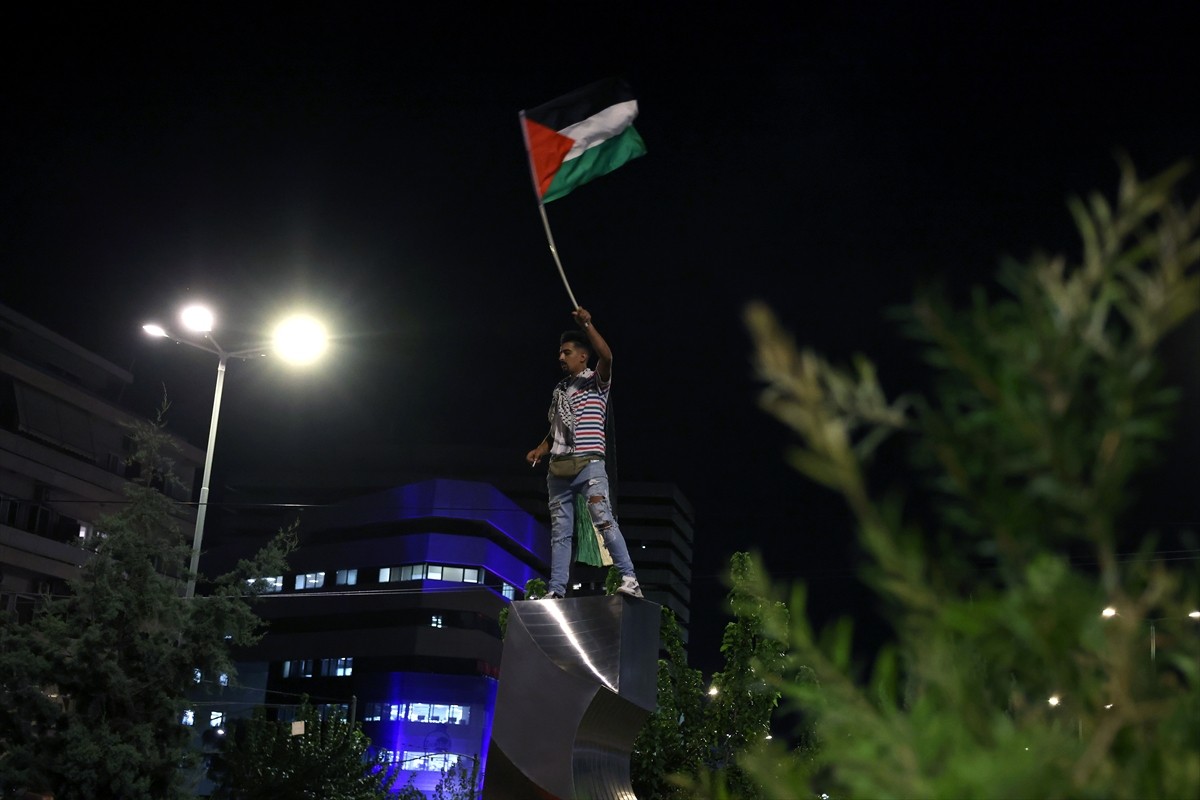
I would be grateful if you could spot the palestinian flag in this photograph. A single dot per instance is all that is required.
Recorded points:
(580, 136)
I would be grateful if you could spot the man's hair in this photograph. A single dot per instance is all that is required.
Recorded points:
(576, 337)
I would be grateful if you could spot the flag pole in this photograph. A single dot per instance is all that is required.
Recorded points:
(542, 210)
(554, 252)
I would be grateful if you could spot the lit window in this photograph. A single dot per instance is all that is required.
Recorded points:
(428, 762)
(310, 580)
(385, 574)
(470, 575)
(338, 667)
(83, 531)
(454, 574)
(418, 572)
(189, 717)
(436, 621)
(197, 676)
(434, 572)
(300, 668)
(223, 679)
(508, 590)
(418, 712)
(372, 713)
(347, 577)
(216, 719)
(266, 585)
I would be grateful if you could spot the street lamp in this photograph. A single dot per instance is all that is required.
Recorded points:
(299, 339)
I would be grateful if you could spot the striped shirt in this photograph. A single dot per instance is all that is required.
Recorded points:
(588, 400)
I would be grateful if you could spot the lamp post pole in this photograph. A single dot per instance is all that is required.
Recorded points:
(299, 339)
(202, 508)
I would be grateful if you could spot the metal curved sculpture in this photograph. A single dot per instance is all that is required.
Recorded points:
(578, 679)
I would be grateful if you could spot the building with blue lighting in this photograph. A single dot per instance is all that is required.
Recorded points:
(656, 517)
(391, 613)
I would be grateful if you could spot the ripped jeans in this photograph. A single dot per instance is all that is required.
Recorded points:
(592, 483)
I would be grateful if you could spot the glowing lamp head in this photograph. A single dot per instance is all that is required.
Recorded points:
(1109, 612)
(154, 330)
(197, 318)
(300, 339)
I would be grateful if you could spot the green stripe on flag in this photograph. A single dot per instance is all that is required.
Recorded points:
(594, 162)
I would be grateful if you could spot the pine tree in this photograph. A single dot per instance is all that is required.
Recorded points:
(93, 688)
(1005, 679)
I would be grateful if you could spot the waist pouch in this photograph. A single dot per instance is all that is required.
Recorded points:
(570, 466)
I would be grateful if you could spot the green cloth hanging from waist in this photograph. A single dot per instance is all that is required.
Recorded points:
(589, 547)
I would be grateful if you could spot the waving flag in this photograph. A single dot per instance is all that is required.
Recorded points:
(581, 136)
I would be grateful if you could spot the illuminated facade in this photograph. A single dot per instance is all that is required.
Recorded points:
(391, 612)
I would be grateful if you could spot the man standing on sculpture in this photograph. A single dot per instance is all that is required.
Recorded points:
(575, 444)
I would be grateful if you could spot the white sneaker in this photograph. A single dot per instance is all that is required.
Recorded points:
(629, 586)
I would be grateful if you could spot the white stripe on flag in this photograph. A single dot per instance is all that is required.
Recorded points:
(599, 128)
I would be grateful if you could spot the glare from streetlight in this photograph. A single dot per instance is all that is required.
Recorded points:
(197, 318)
(155, 330)
(300, 339)
(1054, 700)
(712, 691)
(1194, 614)
(1109, 612)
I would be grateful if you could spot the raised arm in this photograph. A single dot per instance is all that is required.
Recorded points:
(599, 346)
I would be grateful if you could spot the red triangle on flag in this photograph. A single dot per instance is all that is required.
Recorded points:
(547, 148)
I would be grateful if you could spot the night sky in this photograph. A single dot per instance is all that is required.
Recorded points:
(368, 164)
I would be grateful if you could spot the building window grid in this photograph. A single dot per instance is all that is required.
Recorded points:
(342, 667)
(271, 584)
(297, 668)
(427, 762)
(310, 580)
(437, 713)
(431, 572)
(337, 667)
